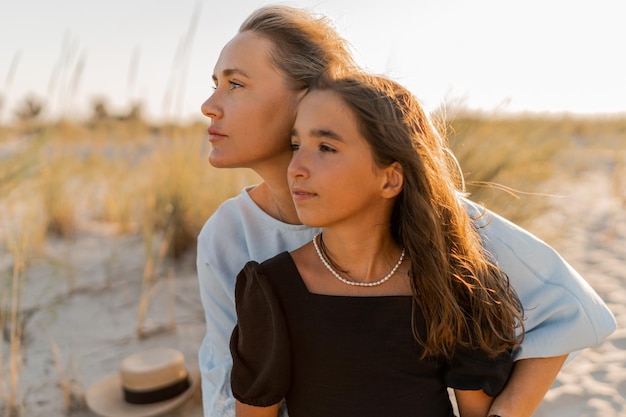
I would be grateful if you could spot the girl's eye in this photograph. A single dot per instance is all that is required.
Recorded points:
(234, 85)
(294, 147)
(326, 148)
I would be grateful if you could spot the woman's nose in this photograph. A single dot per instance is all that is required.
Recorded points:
(210, 107)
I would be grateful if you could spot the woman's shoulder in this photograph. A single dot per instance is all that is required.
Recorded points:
(232, 208)
(225, 221)
(240, 215)
(232, 218)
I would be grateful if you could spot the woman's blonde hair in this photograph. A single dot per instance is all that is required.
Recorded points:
(305, 46)
(465, 299)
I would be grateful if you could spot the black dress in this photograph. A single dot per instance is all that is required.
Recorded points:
(341, 356)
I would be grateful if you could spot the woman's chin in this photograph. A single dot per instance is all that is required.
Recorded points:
(218, 160)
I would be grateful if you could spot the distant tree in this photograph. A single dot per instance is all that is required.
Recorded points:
(135, 114)
(137, 111)
(29, 110)
(100, 111)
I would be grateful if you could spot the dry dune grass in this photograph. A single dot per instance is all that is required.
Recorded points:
(155, 182)
(60, 181)
(507, 160)
(121, 178)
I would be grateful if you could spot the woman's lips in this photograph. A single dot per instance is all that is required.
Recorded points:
(215, 135)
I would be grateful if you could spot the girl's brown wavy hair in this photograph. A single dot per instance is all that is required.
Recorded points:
(466, 300)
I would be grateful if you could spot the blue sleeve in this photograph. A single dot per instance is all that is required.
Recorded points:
(213, 356)
(563, 314)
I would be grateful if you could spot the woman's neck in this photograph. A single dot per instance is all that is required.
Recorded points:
(273, 196)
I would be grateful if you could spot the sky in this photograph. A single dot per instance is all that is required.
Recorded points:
(497, 56)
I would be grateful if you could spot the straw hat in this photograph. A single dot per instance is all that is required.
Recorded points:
(147, 384)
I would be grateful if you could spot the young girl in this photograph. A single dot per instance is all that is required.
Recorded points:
(395, 300)
(260, 76)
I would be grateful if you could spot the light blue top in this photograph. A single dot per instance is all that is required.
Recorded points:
(563, 313)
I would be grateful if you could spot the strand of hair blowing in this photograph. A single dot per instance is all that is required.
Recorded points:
(305, 46)
(466, 300)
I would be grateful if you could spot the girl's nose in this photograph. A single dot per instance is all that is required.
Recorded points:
(297, 166)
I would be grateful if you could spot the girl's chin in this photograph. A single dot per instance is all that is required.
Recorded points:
(311, 222)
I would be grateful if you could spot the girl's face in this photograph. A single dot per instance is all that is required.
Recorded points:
(251, 110)
(332, 174)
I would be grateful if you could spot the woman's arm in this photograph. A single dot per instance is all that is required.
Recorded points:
(245, 410)
(562, 313)
(214, 356)
(472, 403)
(528, 384)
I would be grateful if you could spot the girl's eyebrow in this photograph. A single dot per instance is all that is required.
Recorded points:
(319, 133)
(326, 133)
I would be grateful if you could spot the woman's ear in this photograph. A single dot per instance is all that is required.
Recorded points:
(394, 180)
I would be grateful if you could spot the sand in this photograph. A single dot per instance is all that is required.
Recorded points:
(591, 218)
(84, 299)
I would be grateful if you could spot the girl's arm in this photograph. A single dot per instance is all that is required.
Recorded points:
(245, 410)
(473, 403)
(528, 384)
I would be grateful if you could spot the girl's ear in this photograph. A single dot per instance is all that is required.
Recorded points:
(394, 180)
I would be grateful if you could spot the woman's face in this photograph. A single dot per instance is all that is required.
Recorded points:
(332, 174)
(252, 111)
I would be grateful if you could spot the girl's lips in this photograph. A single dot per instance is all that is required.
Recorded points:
(299, 194)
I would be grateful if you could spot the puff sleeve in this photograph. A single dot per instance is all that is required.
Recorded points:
(259, 343)
(473, 370)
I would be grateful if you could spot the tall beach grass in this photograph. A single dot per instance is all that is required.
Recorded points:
(127, 177)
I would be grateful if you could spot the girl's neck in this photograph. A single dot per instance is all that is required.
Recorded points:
(365, 255)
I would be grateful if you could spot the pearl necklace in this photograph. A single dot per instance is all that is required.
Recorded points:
(355, 283)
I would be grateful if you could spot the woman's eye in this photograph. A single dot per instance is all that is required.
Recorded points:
(234, 85)
(294, 147)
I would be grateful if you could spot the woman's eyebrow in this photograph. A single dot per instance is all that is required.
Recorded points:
(231, 71)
